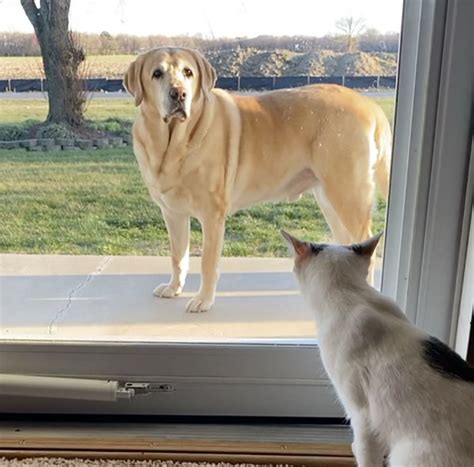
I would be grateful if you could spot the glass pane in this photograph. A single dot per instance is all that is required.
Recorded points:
(83, 244)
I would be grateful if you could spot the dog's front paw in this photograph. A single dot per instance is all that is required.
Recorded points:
(199, 304)
(167, 290)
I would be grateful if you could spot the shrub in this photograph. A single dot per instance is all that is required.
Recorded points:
(114, 126)
(54, 130)
(13, 132)
(91, 129)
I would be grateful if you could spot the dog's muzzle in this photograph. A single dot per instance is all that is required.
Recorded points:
(177, 97)
(178, 112)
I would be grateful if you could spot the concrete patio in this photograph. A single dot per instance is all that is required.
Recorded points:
(109, 298)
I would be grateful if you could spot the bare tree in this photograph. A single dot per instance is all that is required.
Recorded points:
(61, 59)
(350, 27)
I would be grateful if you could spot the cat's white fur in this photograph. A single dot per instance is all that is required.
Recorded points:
(397, 404)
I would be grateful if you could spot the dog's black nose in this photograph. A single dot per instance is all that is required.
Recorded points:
(178, 94)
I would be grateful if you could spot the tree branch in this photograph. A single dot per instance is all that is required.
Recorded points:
(31, 12)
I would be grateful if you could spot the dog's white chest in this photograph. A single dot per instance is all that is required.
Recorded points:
(165, 188)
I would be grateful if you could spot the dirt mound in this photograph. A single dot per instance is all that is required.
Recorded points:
(253, 62)
(236, 61)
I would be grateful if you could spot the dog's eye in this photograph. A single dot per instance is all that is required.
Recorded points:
(157, 73)
(188, 72)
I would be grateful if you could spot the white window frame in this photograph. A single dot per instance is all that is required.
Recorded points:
(431, 190)
(465, 289)
(427, 210)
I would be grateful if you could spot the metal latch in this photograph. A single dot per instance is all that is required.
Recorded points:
(132, 389)
(162, 387)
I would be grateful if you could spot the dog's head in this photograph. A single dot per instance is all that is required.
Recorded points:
(171, 79)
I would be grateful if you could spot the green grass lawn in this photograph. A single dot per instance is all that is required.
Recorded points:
(94, 202)
(19, 110)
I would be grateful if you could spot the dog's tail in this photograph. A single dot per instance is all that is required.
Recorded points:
(383, 142)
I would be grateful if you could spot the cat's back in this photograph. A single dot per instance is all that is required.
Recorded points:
(365, 343)
(413, 370)
(416, 387)
(428, 396)
(445, 361)
(415, 393)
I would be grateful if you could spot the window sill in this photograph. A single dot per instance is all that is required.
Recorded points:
(308, 444)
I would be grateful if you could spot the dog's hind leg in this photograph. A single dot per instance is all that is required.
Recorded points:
(178, 231)
(339, 232)
(348, 211)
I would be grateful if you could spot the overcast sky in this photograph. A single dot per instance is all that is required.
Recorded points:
(214, 18)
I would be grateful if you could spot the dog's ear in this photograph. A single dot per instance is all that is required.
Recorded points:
(207, 74)
(133, 81)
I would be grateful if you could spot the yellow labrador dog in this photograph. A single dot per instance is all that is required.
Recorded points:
(206, 153)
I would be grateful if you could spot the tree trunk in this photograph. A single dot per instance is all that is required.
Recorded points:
(61, 59)
(350, 44)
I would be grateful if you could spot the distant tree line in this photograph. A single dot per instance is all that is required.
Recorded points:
(24, 44)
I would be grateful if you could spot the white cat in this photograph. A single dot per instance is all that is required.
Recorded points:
(406, 394)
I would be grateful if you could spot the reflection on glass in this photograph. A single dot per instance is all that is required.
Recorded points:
(83, 245)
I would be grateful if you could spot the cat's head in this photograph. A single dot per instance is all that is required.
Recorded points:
(320, 266)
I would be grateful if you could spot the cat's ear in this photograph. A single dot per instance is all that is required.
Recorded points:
(299, 248)
(367, 247)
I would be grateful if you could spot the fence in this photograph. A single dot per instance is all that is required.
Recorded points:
(237, 83)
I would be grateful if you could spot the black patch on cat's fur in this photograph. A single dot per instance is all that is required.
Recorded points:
(445, 361)
(317, 248)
